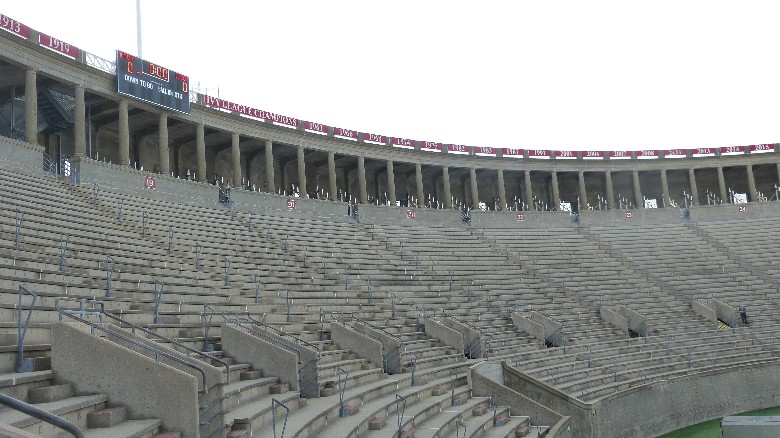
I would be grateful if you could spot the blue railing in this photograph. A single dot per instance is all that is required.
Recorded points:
(23, 365)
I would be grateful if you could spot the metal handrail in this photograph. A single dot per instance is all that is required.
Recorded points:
(394, 335)
(17, 226)
(41, 414)
(227, 271)
(64, 240)
(134, 327)
(23, 365)
(458, 425)
(399, 414)
(82, 311)
(157, 352)
(342, 388)
(109, 273)
(120, 203)
(274, 403)
(283, 334)
(144, 220)
(157, 299)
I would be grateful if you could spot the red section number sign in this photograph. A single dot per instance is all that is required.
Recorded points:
(410, 214)
(629, 214)
(291, 204)
(742, 208)
(520, 217)
(149, 182)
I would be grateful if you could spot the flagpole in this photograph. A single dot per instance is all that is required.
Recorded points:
(138, 26)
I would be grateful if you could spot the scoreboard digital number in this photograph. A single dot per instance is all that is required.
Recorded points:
(152, 83)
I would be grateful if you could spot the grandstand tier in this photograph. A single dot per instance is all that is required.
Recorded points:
(210, 274)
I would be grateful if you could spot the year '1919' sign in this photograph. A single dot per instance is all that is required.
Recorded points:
(152, 83)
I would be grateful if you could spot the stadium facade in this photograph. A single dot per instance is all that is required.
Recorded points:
(79, 116)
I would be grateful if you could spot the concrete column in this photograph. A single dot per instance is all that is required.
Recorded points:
(162, 145)
(640, 203)
(362, 192)
(474, 188)
(445, 180)
(235, 154)
(200, 152)
(722, 186)
(332, 190)
(419, 181)
(556, 192)
(391, 183)
(302, 173)
(778, 173)
(501, 190)
(610, 191)
(665, 189)
(529, 194)
(751, 184)
(124, 134)
(80, 123)
(694, 188)
(583, 191)
(270, 186)
(31, 106)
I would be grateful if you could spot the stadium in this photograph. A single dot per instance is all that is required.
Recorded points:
(179, 265)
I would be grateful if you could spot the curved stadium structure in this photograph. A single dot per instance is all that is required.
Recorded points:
(173, 264)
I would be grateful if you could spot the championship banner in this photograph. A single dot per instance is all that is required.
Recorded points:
(430, 146)
(316, 127)
(485, 151)
(373, 138)
(732, 150)
(58, 45)
(538, 153)
(675, 153)
(703, 152)
(512, 152)
(619, 155)
(458, 149)
(216, 102)
(762, 148)
(565, 155)
(403, 143)
(347, 133)
(645, 155)
(593, 155)
(14, 26)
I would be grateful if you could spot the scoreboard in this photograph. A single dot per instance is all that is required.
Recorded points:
(152, 83)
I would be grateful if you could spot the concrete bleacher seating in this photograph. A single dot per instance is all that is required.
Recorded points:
(295, 276)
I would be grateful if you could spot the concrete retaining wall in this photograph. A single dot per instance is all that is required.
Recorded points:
(525, 323)
(125, 179)
(269, 203)
(704, 309)
(148, 389)
(29, 156)
(471, 337)
(363, 345)
(614, 318)
(391, 346)
(272, 359)
(656, 408)
(723, 310)
(486, 378)
(447, 335)
(636, 321)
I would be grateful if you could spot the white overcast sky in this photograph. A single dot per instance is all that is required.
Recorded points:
(542, 75)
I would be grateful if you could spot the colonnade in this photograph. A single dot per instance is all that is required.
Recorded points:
(525, 184)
